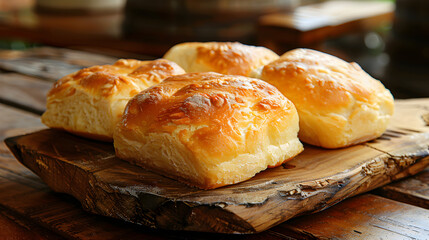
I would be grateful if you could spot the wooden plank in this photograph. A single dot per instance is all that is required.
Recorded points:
(13, 227)
(65, 217)
(106, 185)
(50, 69)
(14, 122)
(73, 57)
(24, 92)
(26, 202)
(57, 212)
(418, 107)
(362, 217)
(11, 189)
(402, 127)
(22, 193)
(50, 63)
(414, 191)
(65, 224)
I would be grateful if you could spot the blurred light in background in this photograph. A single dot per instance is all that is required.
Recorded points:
(390, 44)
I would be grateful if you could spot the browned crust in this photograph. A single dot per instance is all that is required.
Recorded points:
(205, 99)
(106, 80)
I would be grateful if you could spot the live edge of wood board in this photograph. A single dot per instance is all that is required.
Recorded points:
(314, 180)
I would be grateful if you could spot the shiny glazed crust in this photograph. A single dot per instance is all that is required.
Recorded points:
(208, 129)
(338, 103)
(91, 101)
(221, 57)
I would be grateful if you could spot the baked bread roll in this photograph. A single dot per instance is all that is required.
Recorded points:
(221, 57)
(208, 129)
(338, 103)
(91, 101)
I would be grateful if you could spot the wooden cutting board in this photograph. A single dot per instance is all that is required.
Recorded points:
(313, 181)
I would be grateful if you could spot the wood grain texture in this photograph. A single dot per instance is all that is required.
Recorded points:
(362, 217)
(24, 92)
(50, 63)
(10, 224)
(29, 209)
(31, 201)
(414, 191)
(313, 181)
(73, 57)
(15, 122)
(64, 216)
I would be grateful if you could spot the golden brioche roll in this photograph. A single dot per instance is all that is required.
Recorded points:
(338, 103)
(91, 101)
(221, 57)
(208, 129)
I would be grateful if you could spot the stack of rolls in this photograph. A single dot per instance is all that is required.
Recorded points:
(238, 110)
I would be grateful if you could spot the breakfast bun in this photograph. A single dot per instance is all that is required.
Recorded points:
(338, 103)
(90, 102)
(208, 129)
(231, 58)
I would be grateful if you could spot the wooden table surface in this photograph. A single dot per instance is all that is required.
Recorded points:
(30, 210)
(137, 31)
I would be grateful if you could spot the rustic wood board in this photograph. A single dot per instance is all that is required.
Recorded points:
(26, 202)
(29, 203)
(311, 182)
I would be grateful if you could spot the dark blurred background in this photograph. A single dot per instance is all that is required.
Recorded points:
(389, 39)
